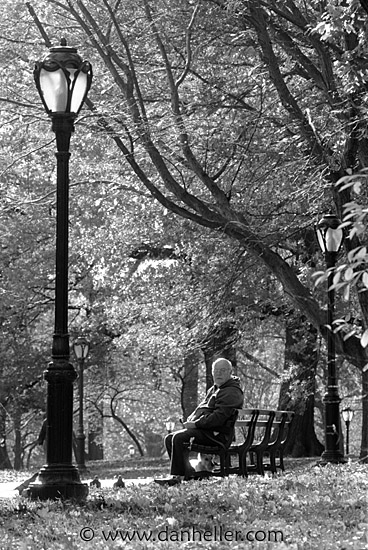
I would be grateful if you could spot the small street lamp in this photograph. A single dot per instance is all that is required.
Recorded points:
(330, 238)
(81, 349)
(170, 425)
(62, 79)
(347, 416)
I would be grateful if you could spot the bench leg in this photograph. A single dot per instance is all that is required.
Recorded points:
(243, 465)
(281, 459)
(273, 462)
(259, 461)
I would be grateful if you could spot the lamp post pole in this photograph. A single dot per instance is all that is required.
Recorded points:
(330, 238)
(332, 400)
(347, 423)
(81, 348)
(80, 433)
(63, 80)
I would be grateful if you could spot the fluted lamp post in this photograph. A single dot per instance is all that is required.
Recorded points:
(347, 416)
(81, 349)
(63, 80)
(330, 238)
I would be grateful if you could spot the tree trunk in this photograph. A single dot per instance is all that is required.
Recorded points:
(153, 443)
(18, 441)
(95, 438)
(5, 463)
(95, 447)
(364, 443)
(297, 392)
(189, 391)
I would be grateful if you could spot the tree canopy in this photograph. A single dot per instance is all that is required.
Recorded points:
(241, 119)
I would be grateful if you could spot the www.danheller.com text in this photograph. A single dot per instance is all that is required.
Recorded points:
(191, 534)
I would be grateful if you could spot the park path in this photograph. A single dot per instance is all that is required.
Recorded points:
(8, 489)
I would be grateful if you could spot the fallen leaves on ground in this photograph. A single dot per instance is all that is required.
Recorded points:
(313, 508)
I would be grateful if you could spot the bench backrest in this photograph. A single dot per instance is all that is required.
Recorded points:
(252, 421)
(249, 436)
(233, 420)
(287, 429)
(263, 414)
(266, 426)
(279, 432)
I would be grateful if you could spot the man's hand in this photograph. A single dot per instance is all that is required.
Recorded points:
(189, 425)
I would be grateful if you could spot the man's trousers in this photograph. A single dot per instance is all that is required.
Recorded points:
(177, 447)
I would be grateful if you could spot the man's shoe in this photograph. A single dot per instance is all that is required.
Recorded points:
(172, 480)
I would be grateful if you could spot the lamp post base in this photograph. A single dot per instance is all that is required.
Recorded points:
(330, 457)
(57, 482)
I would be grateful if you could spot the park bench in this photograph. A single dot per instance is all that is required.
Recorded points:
(270, 435)
(217, 449)
(261, 434)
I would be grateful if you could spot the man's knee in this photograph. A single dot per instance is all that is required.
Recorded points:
(183, 436)
(168, 438)
(168, 442)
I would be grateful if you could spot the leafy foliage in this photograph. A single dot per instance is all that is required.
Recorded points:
(232, 116)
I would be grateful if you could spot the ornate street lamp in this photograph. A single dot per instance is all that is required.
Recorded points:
(347, 416)
(63, 80)
(81, 349)
(330, 237)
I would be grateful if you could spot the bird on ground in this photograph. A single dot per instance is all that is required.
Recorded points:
(95, 482)
(119, 483)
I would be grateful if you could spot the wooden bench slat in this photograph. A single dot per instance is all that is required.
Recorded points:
(259, 423)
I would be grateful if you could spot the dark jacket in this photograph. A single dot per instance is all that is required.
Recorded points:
(217, 411)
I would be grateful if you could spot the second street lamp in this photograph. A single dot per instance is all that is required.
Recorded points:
(81, 349)
(347, 415)
(62, 79)
(330, 237)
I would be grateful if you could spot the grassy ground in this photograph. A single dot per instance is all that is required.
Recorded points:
(129, 469)
(308, 507)
(138, 468)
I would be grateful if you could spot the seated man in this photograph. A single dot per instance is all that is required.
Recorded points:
(210, 424)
